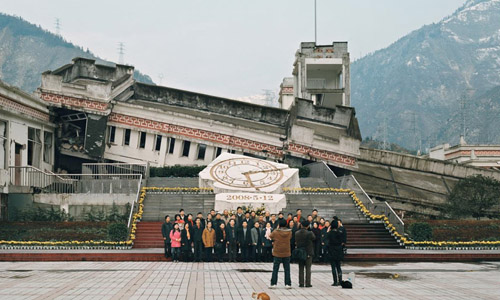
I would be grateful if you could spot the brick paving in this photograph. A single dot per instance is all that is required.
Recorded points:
(224, 281)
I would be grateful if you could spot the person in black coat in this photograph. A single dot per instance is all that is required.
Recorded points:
(232, 240)
(244, 241)
(249, 220)
(187, 242)
(166, 227)
(317, 242)
(267, 243)
(198, 240)
(305, 239)
(335, 238)
(220, 241)
(324, 242)
(294, 229)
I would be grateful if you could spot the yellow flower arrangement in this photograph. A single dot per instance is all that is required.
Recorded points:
(407, 242)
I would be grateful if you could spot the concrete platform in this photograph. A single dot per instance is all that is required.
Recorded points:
(156, 254)
(237, 281)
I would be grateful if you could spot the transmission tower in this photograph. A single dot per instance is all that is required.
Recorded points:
(270, 95)
(385, 144)
(58, 26)
(121, 53)
(417, 139)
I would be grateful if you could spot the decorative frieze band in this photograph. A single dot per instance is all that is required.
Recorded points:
(196, 134)
(322, 154)
(75, 102)
(461, 153)
(8, 103)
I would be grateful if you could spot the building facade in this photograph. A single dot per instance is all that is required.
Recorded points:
(103, 114)
(482, 156)
(26, 137)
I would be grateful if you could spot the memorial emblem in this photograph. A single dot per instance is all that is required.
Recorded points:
(239, 180)
(246, 172)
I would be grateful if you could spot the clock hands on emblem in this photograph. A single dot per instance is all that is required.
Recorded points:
(246, 173)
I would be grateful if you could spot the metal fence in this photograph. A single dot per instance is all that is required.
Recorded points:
(116, 168)
(47, 182)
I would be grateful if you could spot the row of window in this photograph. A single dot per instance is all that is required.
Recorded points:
(34, 146)
(186, 145)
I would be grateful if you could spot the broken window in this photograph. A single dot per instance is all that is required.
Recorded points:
(171, 146)
(202, 148)
(3, 144)
(185, 148)
(34, 147)
(126, 140)
(218, 152)
(112, 133)
(158, 142)
(142, 140)
(47, 146)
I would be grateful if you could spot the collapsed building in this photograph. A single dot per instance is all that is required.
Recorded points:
(99, 113)
(104, 115)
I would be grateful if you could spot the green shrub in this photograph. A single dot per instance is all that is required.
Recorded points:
(421, 231)
(39, 214)
(117, 232)
(176, 171)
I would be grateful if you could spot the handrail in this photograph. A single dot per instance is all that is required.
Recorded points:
(394, 213)
(28, 176)
(359, 186)
(117, 168)
(135, 201)
(319, 169)
(47, 173)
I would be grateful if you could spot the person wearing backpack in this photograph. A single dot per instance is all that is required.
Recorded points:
(304, 241)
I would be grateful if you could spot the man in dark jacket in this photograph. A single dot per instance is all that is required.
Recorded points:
(281, 252)
(256, 251)
(166, 227)
(244, 241)
(239, 216)
(249, 220)
(198, 240)
(304, 239)
(232, 240)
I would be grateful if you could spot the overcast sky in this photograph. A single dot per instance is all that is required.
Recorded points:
(229, 48)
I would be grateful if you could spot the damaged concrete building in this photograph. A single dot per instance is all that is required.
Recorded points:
(101, 114)
(104, 115)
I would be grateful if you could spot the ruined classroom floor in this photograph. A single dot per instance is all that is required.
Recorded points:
(221, 281)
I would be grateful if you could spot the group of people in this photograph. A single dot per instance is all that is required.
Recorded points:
(246, 237)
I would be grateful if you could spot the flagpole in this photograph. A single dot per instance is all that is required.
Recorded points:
(315, 25)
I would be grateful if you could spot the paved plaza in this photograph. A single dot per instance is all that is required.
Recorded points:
(212, 281)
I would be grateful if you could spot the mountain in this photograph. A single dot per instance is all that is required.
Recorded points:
(427, 83)
(27, 50)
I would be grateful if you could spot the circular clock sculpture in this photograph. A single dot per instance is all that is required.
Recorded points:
(246, 173)
(238, 173)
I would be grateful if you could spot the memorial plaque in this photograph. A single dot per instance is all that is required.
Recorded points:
(272, 202)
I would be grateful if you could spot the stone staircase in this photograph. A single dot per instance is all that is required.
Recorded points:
(361, 233)
(328, 205)
(157, 206)
(369, 235)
